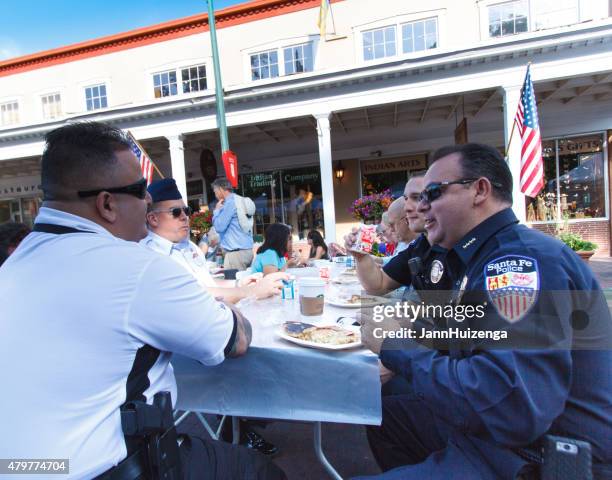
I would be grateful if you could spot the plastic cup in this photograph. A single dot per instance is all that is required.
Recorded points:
(312, 296)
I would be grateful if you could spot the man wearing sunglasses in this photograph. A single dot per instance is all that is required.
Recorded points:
(104, 321)
(482, 408)
(396, 273)
(168, 222)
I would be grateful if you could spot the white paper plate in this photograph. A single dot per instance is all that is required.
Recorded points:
(341, 302)
(345, 280)
(321, 346)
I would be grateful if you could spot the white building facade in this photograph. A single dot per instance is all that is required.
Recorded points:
(373, 97)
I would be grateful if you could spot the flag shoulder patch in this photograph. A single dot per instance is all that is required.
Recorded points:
(512, 283)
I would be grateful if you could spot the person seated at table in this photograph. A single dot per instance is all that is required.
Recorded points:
(168, 223)
(209, 244)
(271, 256)
(336, 250)
(318, 249)
(11, 235)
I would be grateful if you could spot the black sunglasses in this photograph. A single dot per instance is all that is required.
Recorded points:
(433, 191)
(138, 189)
(176, 211)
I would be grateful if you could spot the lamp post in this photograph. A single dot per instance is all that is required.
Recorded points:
(230, 160)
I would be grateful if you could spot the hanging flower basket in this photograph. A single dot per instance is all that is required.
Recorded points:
(369, 209)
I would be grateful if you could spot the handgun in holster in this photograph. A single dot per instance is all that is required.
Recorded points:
(154, 426)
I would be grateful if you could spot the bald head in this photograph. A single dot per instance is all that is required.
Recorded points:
(397, 221)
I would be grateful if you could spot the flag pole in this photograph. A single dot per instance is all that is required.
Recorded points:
(145, 152)
(331, 14)
(514, 122)
(510, 139)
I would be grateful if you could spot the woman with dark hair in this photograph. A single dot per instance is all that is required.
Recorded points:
(318, 249)
(271, 255)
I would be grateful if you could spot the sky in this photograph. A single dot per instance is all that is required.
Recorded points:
(29, 26)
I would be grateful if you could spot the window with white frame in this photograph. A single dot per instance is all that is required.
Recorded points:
(420, 35)
(164, 84)
(193, 79)
(9, 113)
(379, 43)
(264, 65)
(95, 97)
(298, 58)
(51, 106)
(508, 18)
(554, 13)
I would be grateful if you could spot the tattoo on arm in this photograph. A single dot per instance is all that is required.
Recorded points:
(244, 335)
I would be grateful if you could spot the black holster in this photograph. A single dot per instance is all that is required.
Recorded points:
(152, 426)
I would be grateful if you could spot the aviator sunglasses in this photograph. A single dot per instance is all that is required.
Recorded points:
(433, 191)
(176, 211)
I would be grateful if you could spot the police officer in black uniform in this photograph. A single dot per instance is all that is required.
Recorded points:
(426, 272)
(474, 410)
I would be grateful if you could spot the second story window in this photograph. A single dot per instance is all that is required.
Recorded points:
(164, 84)
(264, 65)
(298, 59)
(555, 13)
(51, 106)
(508, 18)
(95, 97)
(421, 35)
(193, 78)
(9, 113)
(379, 43)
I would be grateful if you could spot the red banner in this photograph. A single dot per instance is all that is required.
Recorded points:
(230, 164)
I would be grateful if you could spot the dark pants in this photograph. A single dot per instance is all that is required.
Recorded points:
(208, 459)
(412, 443)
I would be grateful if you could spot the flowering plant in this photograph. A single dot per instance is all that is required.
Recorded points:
(201, 221)
(371, 207)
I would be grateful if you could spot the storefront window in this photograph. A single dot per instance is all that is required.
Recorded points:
(289, 196)
(22, 210)
(264, 190)
(303, 202)
(574, 181)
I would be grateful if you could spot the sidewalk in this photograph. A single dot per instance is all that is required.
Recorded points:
(602, 267)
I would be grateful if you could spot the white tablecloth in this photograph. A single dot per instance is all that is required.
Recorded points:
(277, 379)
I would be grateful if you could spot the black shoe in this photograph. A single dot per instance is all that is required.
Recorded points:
(253, 440)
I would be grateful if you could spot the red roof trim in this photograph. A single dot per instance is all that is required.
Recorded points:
(236, 15)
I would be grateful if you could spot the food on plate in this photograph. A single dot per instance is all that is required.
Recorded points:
(331, 335)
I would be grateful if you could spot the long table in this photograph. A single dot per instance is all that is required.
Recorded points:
(279, 380)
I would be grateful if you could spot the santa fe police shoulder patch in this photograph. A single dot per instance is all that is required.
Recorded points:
(512, 283)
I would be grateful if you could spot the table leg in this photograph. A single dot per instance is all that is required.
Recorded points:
(179, 418)
(320, 455)
(235, 430)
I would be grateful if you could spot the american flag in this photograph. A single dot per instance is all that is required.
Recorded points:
(532, 166)
(146, 164)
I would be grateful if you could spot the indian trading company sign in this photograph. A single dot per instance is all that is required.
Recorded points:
(20, 187)
(414, 162)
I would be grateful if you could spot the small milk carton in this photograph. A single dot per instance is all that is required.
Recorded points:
(366, 237)
(288, 291)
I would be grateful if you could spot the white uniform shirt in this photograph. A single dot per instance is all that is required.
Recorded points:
(186, 253)
(76, 314)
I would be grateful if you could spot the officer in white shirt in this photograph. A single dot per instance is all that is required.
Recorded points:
(85, 314)
(168, 222)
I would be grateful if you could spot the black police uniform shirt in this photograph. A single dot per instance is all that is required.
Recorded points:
(434, 275)
(554, 372)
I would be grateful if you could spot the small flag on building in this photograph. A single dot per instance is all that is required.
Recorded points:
(146, 164)
(532, 165)
(322, 20)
